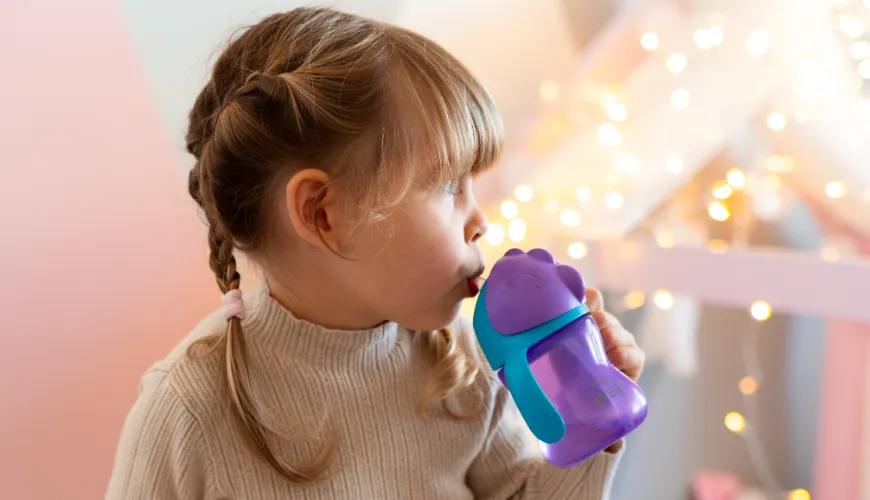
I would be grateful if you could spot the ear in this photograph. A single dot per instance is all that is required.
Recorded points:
(313, 208)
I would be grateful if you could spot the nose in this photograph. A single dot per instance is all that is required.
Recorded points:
(477, 225)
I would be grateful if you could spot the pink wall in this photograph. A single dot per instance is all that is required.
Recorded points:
(102, 256)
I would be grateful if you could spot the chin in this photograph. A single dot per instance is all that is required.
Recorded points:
(435, 320)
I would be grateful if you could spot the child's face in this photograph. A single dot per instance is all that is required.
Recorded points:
(418, 263)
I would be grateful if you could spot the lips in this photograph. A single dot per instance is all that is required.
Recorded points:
(475, 282)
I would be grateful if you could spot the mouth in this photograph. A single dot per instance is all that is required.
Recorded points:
(475, 282)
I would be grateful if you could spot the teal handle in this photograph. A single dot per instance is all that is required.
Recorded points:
(511, 353)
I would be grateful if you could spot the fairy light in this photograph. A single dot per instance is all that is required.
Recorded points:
(703, 39)
(799, 494)
(649, 41)
(634, 300)
(748, 385)
(674, 164)
(761, 310)
(617, 112)
(523, 193)
(860, 50)
(772, 182)
(676, 63)
(722, 190)
(663, 299)
(680, 98)
(758, 43)
(776, 121)
(495, 234)
(577, 250)
(735, 422)
(718, 211)
(570, 218)
(627, 163)
(715, 35)
(549, 90)
(665, 239)
(613, 200)
(509, 209)
(717, 245)
(779, 164)
(736, 178)
(516, 230)
(609, 135)
(835, 189)
(851, 26)
(583, 194)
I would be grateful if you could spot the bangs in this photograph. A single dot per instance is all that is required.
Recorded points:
(440, 102)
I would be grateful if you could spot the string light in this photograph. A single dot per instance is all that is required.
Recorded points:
(676, 63)
(707, 38)
(665, 239)
(634, 300)
(549, 90)
(674, 164)
(799, 494)
(516, 230)
(627, 163)
(761, 310)
(509, 209)
(663, 299)
(717, 245)
(851, 26)
(495, 234)
(613, 200)
(736, 178)
(649, 41)
(779, 164)
(577, 250)
(617, 112)
(722, 191)
(570, 218)
(830, 253)
(860, 50)
(680, 98)
(835, 189)
(584, 194)
(609, 135)
(735, 422)
(748, 385)
(718, 211)
(523, 192)
(758, 42)
(776, 121)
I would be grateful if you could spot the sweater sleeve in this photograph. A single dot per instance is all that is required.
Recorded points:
(162, 452)
(510, 465)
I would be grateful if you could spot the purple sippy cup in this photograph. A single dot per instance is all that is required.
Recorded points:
(535, 330)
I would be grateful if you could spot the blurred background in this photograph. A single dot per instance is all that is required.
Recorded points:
(704, 162)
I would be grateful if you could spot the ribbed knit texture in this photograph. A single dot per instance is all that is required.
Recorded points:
(181, 440)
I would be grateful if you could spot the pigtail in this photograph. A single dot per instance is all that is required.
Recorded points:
(453, 369)
(238, 376)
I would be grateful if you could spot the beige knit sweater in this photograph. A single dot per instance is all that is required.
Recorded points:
(180, 440)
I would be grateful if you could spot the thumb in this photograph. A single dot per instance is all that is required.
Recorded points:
(594, 299)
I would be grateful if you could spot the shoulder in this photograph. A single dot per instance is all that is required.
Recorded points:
(188, 379)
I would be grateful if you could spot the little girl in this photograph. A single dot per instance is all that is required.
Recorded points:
(337, 152)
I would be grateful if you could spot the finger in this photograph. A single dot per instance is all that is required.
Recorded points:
(613, 334)
(629, 360)
(594, 299)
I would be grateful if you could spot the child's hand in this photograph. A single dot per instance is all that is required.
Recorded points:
(622, 349)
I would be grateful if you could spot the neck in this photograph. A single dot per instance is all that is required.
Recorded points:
(321, 305)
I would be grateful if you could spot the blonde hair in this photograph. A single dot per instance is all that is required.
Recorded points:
(368, 103)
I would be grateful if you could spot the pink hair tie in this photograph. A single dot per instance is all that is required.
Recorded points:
(234, 306)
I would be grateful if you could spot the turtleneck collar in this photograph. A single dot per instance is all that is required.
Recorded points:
(266, 319)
